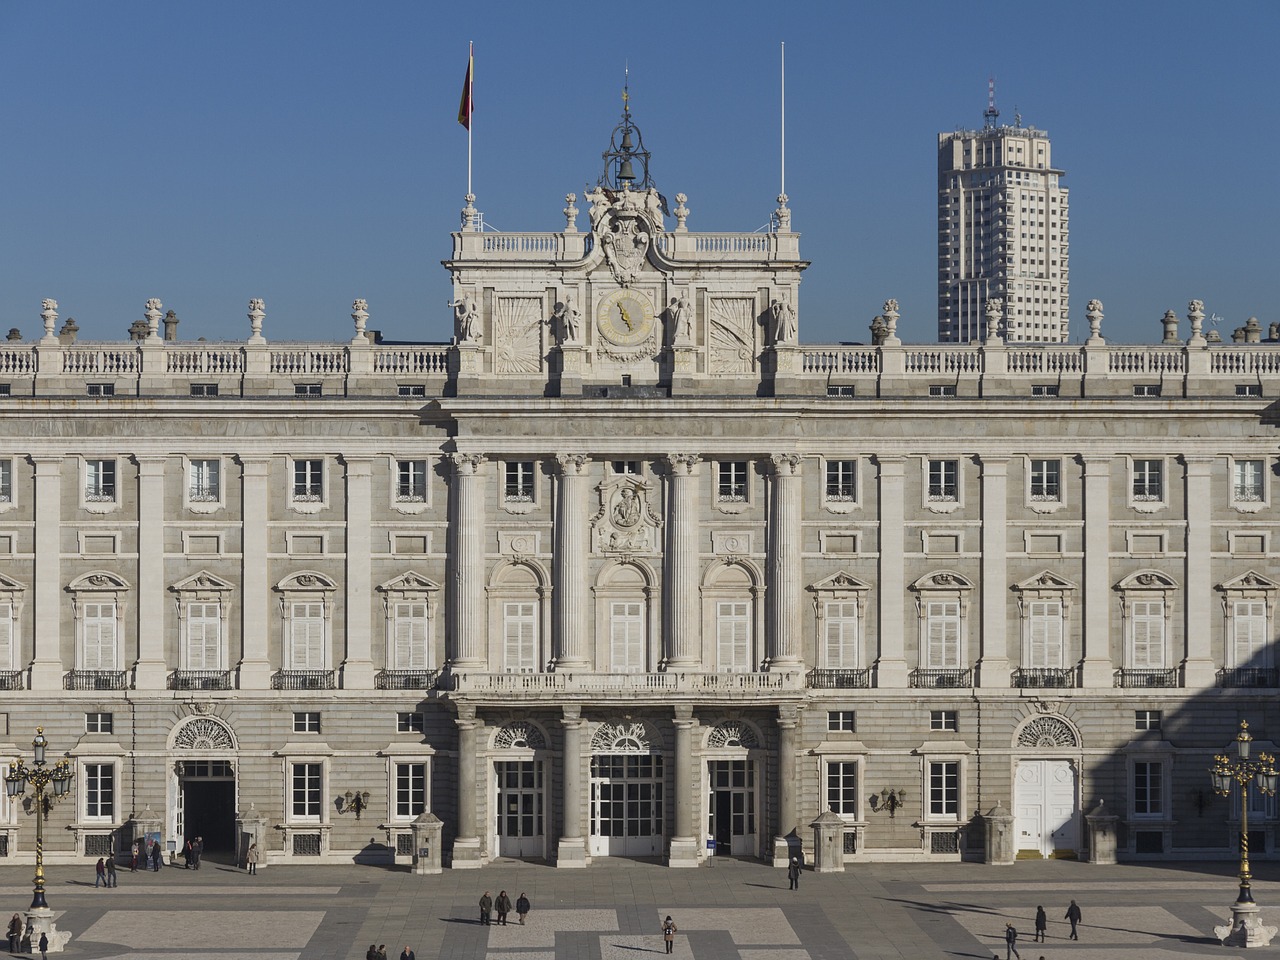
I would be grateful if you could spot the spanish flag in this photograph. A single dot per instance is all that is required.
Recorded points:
(466, 106)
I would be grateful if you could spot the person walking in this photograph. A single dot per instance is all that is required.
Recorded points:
(1011, 942)
(407, 954)
(197, 849)
(112, 879)
(100, 878)
(187, 855)
(793, 873)
(1042, 924)
(486, 905)
(522, 907)
(382, 951)
(15, 932)
(44, 946)
(157, 854)
(133, 858)
(503, 906)
(1073, 914)
(251, 860)
(372, 952)
(669, 929)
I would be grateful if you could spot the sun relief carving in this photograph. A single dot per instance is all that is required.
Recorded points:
(204, 733)
(520, 735)
(1047, 732)
(733, 733)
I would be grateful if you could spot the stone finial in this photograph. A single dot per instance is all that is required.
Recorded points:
(14, 334)
(170, 325)
(153, 314)
(682, 213)
(891, 316)
(879, 330)
(1195, 313)
(1093, 313)
(1273, 331)
(783, 215)
(1252, 331)
(256, 316)
(49, 314)
(570, 213)
(360, 314)
(995, 313)
(470, 215)
(1170, 321)
(70, 330)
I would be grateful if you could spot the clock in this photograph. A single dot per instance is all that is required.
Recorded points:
(625, 318)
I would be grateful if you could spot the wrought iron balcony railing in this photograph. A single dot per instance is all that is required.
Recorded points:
(1130, 679)
(200, 680)
(13, 679)
(838, 679)
(938, 678)
(96, 680)
(1044, 677)
(302, 680)
(1249, 677)
(407, 680)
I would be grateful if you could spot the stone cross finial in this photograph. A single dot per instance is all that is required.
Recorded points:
(1093, 313)
(681, 212)
(256, 316)
(49, 314)
(153, 313)
(1195, 313)
(360, 314)
(1170, 321)
(570, 213)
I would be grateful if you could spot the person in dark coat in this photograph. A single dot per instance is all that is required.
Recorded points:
(15, 932)
(407, 954)
(157, 854)
(503, 906)
(486, 905)
(100, 878)
(793, 873)
(112, 879)
(197, 849)
(372, 952)
(44, 946)
(522, 907)
(1042, 924)
(187, 855)
(1073, 914)
(1011, 942)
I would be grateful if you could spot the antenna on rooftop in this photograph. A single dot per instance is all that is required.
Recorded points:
(991, 113)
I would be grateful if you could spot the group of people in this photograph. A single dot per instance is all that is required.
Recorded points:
(501, 906)
(192, 851)
(21, 934)
(1072, 916)
(105, 873)
(147, 854)
(380, 953)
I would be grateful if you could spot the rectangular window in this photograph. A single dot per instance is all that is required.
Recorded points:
(1146, 719)
(944, 788)
(1044, 389)
(1148, 479)
(409, 723)
(942, 633)
(411, 481)
(1044, 633)
(520, 627)
(98, 723)
(98, 634)
(840, 390)
(306, 779)
(409, 629)
(1246, 484)
(205, 481)
(626, 637)
(1146, 619)
(306, 722)
(1146, 389)
(630, 468)
(944, 480)
(1148, 789)
(307, 390)
(1248, 389)
(306, 636)
(518, 486)
(308, 481)
(204, 390)
(842, 787)
(841, 647)
(944, 720)
(733, 636)
(204, 635)
(99, 791)
(1046, 480)
(842, 721)
(100, 481)
(411, 390)
(1249, 632)
(842, 481)
(7, 651)
(411, 789)
(731, 481)
(101, 389)
(6, 481)
(942, 390)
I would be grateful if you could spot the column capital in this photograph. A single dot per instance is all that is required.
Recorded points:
(571, 713)
(572, 464)
(788, 715)
(466, 712)
(683, 711)
(994, 466)
(891, 465)
(467, 464)
(150, 465)
(46, 466)
(358, 466)
(254, 466)
(785, 464)
(1096, 465)
(683, 464)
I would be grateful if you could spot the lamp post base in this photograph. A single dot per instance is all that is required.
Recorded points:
(41, 920)
(1245, 929)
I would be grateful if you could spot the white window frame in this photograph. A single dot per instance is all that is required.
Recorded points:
(1257, 591)
(841, 502)
(1045, 502)
(839, 588)
(308, 502)
(97, 817)
(941, 502)
(1033, 593)
(411, 504)
(524, 648)
(321, 814)
(1249, 504)
(305, 587)
(394, 775)
(628, 652)
(414, 589)
(851, 802)
(928, 761)
(193, 467)
(1146, 587)
(731, 490)
(942, 587)
(98, 725)
(409, 616)
(836, 719)
(8, 486)
(519, 492)
(99, 587)
(1163, 783)
(12, 599)
(108, 504)
(739, 637)
(844, 650)
(202, 588)
(1146, 501)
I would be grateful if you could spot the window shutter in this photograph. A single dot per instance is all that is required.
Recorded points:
(99, 636)
(410, 636)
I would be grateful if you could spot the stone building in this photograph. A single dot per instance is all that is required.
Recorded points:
(626, 568)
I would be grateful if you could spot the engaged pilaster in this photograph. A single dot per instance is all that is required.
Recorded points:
(683, 621)
(357, 665)
(993, 663)
(466, 586)
(572, 849)
(1198, 669)
(1096, 667)
(149, 670)
(569, 600)
(784, 568)
(891, 665)
(255, 660)
(46, 666)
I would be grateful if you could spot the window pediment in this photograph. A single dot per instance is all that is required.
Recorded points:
(1248, 582)
(306, 580)
(410, 582)
(839, 583)
(9, 585)
(202, 582)
(98, 581)
(942, 581)
(1152, 581)
(1046, 581)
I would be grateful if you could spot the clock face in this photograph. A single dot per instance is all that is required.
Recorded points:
(625, 318)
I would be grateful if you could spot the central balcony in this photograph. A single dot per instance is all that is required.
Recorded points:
(549, 686)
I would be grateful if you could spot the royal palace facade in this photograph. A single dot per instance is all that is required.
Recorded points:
(628, 570)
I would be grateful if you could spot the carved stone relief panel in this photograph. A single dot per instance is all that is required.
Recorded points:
(517, 335)
(732, 342)
(625, 522)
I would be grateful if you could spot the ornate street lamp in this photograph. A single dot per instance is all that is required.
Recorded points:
(1245, 929)
(39, 775)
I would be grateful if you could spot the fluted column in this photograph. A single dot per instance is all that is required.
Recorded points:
(784, 569)
(684, 844)
(569, 600)
(993, 664)
(357, 664)
(466, 586)
(255, 658)
(149, 670)
(572, 849)
(46, 666)
(466, 844)
(683, 620)
(787, 722)
(1198, 669)
(1096, 668)
(891, 665)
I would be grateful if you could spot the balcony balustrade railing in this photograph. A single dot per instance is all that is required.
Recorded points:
(935, 679)
(96, 680)
(1268, 677)
(843, 679)
(407, 680)
(200, 680)
(13, 679)
(302, 680)
(1044, 677)
(1129, 678)
(639, 684)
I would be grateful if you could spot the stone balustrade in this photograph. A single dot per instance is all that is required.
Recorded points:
(550, 686)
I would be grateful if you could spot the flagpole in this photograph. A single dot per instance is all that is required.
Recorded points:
(471, 59)
(783, 189)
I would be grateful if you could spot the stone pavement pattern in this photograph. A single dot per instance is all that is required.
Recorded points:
(614, 909)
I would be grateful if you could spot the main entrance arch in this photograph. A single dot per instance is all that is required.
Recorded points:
(1046, 789)
(627, 782)
(203, 784)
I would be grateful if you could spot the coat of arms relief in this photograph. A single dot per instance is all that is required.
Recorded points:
(625, 522)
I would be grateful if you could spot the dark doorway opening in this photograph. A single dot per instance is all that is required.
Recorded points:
(209, 811)
(724, 822)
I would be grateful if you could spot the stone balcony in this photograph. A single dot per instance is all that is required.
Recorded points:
(637, 686)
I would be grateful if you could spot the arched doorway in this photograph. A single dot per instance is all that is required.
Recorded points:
(520, 801)
(628, 816)
(1046, 789)
(732, 794)
(203, 783)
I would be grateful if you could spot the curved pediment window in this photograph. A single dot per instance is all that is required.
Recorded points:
(98, 601)
(1146, 606)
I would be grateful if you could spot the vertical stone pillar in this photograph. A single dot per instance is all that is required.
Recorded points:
(357, 664)
(891, 666)
(572, 849)
(1097, 667)
(993, 665)
(149, 670)
(786, 833)
(684, 843)
(466, 585)
(1197, 591)
(466, 843)
(255, 659)
(683, 620)
(784, 567)
(569, 596)
(46, 665)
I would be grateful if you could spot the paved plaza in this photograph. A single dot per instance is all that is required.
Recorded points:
(613, 910)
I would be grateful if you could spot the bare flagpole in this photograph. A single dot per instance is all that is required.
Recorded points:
(783, 189)
(471, 60)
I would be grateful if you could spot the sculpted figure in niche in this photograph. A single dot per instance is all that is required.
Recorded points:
(681, 315)
(626, 512)
(466, 319)
(568, 321)
(784, 322)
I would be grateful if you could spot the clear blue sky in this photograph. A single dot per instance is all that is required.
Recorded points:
(308, 152)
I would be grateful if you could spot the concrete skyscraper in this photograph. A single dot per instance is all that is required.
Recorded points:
(1002, 233)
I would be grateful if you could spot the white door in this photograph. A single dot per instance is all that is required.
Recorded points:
(626, 805)
(520, 808)
(1046, 815)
